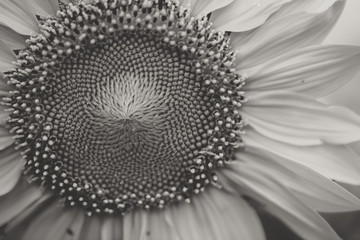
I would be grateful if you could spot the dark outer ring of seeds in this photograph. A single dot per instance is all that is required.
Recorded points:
(53, 68)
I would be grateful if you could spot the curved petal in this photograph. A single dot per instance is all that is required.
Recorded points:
(73, 232)
(6, 57)
(12, 39)
(149, 225)
(201, 8)
(53, 222)
(112, 228)
(355, 147)
(135, 225)
(215, 214)
(281, 34)
(45, 7)
(246, 180)
(24, 194)
(316, 191)
(212, 215)
(10, 169)
(19, 16)
(14, 229)
(290, 8)
(4, 92)
(243, 15)
(336, 162)
(300, 120)
(91, 229)
(4, 116)
(6, 138)
(315, 71)
(345, 224)
(311, 6)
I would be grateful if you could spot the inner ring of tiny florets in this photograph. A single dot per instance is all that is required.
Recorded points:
(131, 105)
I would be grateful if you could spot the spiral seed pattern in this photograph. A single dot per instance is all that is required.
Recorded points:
(125, 104)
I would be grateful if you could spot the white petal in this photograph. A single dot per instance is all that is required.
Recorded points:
(15, 228)
(214, 215)
(312, 188)
(6, 138)
(311, 6)
(243, 15)
(6, 57)
(355, 147)
(149, 225)
(281, 34)
(315, 71)
(336, 162)
(258, 184)
(10, 169)
(346, 224)
(134, 225)
(16, 201)
(201, 8)
(112, 228)
(300, 120)
(12, 39)
(91, 229)
(4, 116)
(291, 8)
(75, 227)
(4, 92)
(53, 222)
(45, 7)
(19, 16)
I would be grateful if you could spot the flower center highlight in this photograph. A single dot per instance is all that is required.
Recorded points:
(125, 104)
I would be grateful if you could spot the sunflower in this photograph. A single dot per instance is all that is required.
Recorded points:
(148, 119)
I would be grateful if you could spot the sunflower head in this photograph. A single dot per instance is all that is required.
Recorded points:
(123, 104)
(138, 107)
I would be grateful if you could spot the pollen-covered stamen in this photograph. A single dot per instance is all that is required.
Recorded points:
(123, 104)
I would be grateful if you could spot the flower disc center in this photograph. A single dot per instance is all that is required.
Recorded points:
(132, 117)
(119, 105)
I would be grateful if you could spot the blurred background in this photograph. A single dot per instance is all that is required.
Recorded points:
(347, 31)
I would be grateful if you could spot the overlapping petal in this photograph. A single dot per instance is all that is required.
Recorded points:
(111, 228)
(243, 15)
(300, 120)
(6, 138)
(206, 218)
(24, 194)
(346, 224)
(53, 222)
(149, 225)
(315, 71)
(18, 15)
(240, 178)
(277, 37)
(201, 8)
(4, 116)
(336, 162)
(10, 169)
(312, 188)
(12, 39)
(91, 229)
(7, 56)
(45, 7)
(310, 6)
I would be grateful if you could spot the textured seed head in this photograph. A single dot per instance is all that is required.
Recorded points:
(124, 104)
